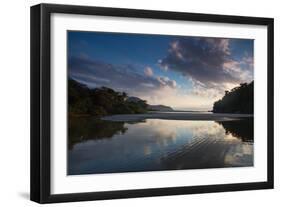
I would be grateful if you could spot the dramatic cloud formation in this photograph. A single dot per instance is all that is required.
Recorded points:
(208, 63)
(121, 78)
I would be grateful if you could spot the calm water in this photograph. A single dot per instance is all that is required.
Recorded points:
(96, 146)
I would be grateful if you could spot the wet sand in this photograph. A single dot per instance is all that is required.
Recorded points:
(176, 116)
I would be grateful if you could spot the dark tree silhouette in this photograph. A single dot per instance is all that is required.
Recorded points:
(239, 100)
(100, 101)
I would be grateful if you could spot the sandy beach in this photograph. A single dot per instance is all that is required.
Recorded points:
(176, 116)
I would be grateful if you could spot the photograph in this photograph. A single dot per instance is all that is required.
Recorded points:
(132, 103)
(154, 102)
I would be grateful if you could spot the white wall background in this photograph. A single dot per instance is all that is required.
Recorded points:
(14, 102)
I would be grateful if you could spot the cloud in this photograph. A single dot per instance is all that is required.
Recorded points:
(148, 71)
(208, 62)
(119, 77)
(165, 81)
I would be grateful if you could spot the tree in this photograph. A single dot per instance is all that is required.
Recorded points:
(239, 100)
(100, 101)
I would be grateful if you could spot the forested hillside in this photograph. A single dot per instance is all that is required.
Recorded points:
(100, 101)
(239, 100)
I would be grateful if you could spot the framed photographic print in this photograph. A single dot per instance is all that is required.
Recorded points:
(133, 103)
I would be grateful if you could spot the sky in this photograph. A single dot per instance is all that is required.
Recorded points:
(184, 72)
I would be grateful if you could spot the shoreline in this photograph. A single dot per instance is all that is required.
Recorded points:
(176, 116)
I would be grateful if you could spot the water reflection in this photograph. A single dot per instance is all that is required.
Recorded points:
(243, 129)
(97, 146)
(86, 128)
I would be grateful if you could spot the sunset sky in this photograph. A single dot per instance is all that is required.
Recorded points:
(187, 73)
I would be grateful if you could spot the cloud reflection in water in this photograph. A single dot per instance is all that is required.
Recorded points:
(158, 145)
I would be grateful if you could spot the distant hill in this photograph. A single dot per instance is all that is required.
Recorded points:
(150, 107)
(159, 108)
(238, 100)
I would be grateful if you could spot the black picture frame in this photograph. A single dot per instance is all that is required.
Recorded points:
(41, 96)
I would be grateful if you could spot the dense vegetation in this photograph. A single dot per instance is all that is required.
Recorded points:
(239, 100)
(100, 101)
